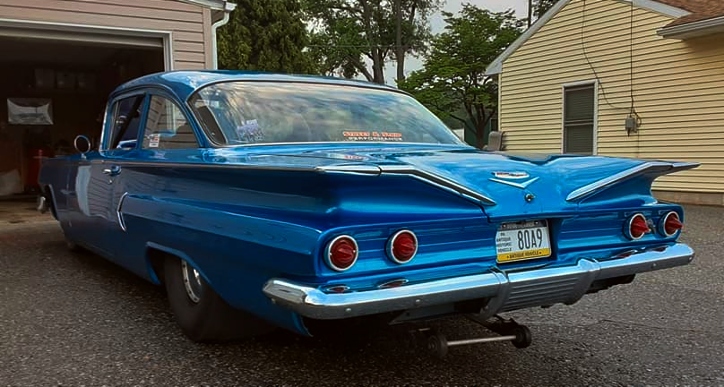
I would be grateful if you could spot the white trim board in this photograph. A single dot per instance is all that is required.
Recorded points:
(131, 37)
(216, 5)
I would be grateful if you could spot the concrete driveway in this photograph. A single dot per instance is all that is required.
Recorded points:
(75, 319)
(18, 211)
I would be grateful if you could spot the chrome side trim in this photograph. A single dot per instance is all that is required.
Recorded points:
(425, 176)
(350, 168)
(649, 167)
(119, 214)
(506, 291)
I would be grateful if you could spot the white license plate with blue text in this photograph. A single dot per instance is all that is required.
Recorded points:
(522, 240)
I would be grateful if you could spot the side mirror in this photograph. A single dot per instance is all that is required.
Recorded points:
(82, 144)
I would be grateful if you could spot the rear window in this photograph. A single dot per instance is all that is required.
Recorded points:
(238, 112)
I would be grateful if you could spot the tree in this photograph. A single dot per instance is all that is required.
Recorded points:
(265, 35)
(347, 34)
(540, 7)
(453, 74)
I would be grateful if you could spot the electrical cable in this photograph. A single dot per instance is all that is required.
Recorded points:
(631, 109)
(588, 60)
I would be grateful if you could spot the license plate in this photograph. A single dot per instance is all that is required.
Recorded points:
(522, 240)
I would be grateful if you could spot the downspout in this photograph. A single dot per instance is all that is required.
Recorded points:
(228, 7)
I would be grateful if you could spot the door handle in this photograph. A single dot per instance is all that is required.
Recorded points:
(113, 170)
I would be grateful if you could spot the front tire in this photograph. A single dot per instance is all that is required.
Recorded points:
(201, 313)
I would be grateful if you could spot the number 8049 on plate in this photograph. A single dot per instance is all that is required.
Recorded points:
(522, 240)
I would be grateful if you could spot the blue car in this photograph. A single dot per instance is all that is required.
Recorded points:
(263, 201)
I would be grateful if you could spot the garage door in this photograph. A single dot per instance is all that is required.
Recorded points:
(96, 34)
(65, 73)
(89, 37)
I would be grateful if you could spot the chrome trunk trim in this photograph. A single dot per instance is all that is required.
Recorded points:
(427, 177)
(658, 167)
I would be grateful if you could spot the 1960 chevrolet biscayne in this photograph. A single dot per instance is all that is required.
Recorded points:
(263, 200)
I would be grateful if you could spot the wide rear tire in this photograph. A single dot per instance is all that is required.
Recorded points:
(201, 313)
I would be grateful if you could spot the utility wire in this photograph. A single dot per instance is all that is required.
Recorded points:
(588, 60)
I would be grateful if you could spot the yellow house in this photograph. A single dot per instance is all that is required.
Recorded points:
(641, 78)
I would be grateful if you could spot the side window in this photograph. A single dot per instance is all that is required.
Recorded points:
(167, 127)
(126, 122)
(579, 113)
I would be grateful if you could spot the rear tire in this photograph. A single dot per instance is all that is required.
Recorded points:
(200, 312)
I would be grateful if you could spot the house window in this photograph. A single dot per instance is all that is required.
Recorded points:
(578, 119)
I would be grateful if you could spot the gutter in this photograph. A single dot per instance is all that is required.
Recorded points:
(228, 7)
(216, 5)
(697, 28)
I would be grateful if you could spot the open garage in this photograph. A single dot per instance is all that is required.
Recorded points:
(61, 58)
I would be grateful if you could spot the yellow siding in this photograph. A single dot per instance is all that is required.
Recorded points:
(678, 88)
(188, 23)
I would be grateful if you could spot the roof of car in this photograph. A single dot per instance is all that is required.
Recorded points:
(186, 82)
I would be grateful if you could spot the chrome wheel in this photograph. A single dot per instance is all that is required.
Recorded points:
(192, 282)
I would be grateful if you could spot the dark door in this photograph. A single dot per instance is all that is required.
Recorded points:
(165, 137)
(119, 146)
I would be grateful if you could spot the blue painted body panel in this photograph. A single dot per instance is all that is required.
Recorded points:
(246, 214)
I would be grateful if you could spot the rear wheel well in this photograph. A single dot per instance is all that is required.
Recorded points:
(208, 318)
(156, 259)
(47, 192)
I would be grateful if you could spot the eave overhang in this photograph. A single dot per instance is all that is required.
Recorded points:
(215, 5)
(693, 29)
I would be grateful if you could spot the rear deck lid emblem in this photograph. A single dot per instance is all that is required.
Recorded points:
(506, 177)
(511, 175)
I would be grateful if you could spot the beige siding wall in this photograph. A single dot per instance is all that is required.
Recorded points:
(678, 88)
(185, 21)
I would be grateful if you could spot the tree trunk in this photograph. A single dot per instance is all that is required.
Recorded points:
(399, 50)
(479, 134)
(530, 12)
(480, 126)
(378, 67)
(481, 121)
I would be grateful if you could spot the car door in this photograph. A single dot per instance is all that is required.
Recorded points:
(165, 137)
(118, 146)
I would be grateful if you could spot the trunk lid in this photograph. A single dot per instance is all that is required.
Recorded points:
(517, 185)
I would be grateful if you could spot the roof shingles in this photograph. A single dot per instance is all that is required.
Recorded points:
(700, 10)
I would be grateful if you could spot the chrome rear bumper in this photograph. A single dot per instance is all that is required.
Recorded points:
(506, 291)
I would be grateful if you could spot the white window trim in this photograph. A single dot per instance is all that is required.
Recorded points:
(30, 25)
(593, 82)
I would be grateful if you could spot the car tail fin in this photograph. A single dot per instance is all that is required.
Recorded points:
(649, 171)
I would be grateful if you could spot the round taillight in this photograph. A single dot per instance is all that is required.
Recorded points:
(670, 224)
(637, 227)
(342, 253)
(402, 246)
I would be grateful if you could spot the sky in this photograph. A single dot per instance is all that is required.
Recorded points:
(437, 25)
